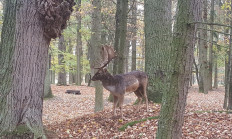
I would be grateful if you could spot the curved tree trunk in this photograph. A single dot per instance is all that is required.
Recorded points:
(23, 55)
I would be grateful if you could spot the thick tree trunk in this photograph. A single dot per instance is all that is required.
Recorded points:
(79, 45)
(27, 48)
(157, 46)
(174, 100)
(95, 51)
(23, 55)
(62, 72)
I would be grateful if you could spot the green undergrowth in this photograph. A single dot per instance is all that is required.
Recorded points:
(135, 122)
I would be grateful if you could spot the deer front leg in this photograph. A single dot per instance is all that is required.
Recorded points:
(115, 104)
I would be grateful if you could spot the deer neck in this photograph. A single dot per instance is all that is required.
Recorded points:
(110, 83)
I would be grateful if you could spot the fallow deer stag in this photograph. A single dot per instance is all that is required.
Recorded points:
(118, 85)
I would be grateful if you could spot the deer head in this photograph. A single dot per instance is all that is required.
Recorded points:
(108, 54)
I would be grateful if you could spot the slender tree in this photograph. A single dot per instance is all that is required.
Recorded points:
(28, 28)
(95, 43)
(62, 72)
(79, 43)
(133, 33)
(174, 100)
(211, 46)
(203, 48)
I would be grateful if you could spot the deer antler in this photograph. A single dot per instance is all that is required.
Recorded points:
(108, 54)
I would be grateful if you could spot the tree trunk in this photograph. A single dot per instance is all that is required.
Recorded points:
(174, 100)
(95, 50)
(71, 70)
(229, 107)
(197, 73)
(122, 37)
(47, 83)
(133, 34)
(25, 39)
(79, 44)
(226, 84)
(211, 46)
(157, 46)
(215, 71)
(62, 73)
(204, 74)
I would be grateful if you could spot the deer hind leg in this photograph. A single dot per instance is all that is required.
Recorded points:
(145, 96)
(120, 100)
(139, 95)
(115, 104)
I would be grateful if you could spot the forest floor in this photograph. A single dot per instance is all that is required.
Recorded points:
(72, 116)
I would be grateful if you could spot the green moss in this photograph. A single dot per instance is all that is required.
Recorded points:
(135, 122)
(19, 131)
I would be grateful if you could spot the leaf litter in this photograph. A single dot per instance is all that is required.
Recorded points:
(72, 116)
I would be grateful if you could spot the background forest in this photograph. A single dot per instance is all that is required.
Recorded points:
(184, 46)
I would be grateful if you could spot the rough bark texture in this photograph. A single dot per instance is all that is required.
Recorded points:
(229, 85)
(174, 100)
(62, 72)
(120, 35)
(95, 52)
(79, 44)
(157, 46)
(23, 56)
(215, 71)
(133, 34)
(203, 62)
(47, 83)
(211, 46)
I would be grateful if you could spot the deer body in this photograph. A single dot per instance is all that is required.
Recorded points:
(118, 85)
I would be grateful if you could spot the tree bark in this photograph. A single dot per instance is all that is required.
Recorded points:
(204, 80)
(211, 46)
(23, 54)
(133, 34)
(157, 46)
(79, 44)
(174, 100)
(215, 71)
(62, 72)
(95, 51)
(120, 35)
